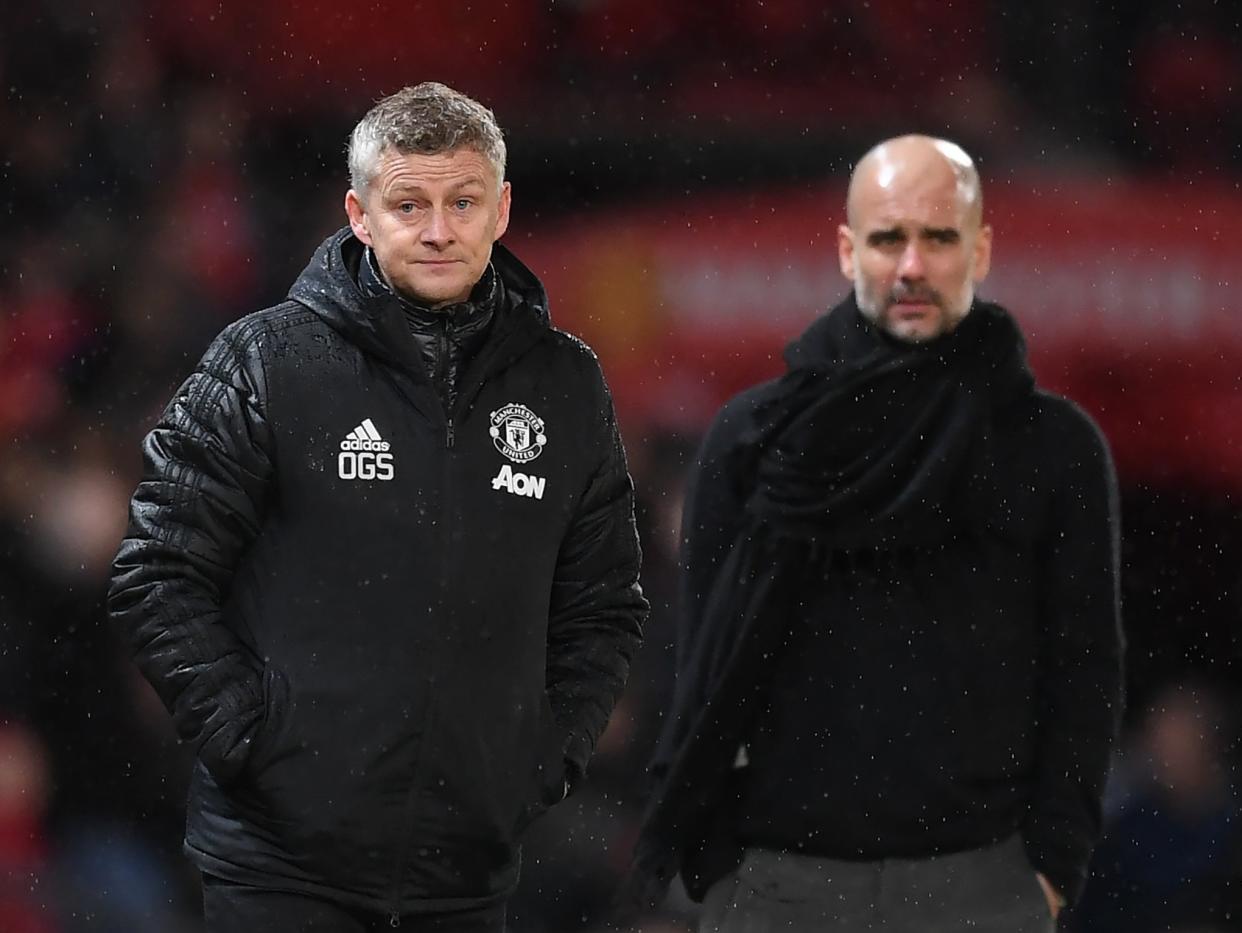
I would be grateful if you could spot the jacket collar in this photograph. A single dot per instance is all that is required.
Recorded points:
(483, 297)
(334, 286)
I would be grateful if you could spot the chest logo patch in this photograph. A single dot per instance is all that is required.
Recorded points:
(517, 432)
(519, 484)
(364, 454)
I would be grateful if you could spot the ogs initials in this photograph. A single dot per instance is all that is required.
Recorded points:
(352, 464)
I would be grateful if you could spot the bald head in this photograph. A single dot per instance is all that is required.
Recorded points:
(914, 243)
(915, 162)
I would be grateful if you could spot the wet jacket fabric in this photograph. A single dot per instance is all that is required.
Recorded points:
(390, 631)
(900, 603)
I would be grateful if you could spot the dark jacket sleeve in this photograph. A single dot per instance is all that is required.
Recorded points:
(1080, 691)
(711, 519)
(597, 607)
(207, 468)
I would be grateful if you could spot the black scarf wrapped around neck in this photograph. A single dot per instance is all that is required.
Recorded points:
(871, 443)
(866, 445)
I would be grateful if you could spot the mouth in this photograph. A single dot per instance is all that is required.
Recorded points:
(912, 309)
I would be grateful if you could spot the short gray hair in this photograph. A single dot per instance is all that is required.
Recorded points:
(429, 119)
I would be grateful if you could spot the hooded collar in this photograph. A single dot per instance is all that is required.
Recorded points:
(483, 297)
(334, 287)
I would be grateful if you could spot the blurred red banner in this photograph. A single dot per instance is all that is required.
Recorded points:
(1121, 288)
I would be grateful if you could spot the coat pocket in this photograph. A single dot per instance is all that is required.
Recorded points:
(267, 744)
(547, 780)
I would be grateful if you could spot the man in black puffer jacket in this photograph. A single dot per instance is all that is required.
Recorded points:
(382, 566)
(900, 660)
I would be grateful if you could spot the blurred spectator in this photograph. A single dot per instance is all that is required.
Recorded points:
(107, 802)
(25, 898)
(1171, 857)
(1187, 65)
(43, 325)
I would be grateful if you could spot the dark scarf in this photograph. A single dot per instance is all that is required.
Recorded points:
(870, 443)
(867, 446)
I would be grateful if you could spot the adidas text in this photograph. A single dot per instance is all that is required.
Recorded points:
(353, 444)
(519, 483)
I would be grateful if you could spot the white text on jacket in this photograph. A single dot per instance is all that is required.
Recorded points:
(519, 484)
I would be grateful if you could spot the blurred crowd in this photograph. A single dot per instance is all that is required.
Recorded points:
(169, 167)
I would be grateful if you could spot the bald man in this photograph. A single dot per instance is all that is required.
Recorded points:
(899, 660)
(914, 243)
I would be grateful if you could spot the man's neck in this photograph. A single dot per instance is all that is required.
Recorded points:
(382, 279)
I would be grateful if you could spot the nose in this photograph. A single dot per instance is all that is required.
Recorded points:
(437, 232)
(911, 263)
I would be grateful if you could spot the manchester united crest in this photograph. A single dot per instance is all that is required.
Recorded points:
(517, 432)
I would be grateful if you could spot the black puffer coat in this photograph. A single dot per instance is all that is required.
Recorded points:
(390, 632)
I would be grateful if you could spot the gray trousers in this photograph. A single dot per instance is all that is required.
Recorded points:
(990, 890)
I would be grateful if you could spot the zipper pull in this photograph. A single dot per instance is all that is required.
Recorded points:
(448, 434)
(393, 920)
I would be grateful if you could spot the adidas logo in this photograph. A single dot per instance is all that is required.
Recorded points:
(364, 454)
(364, 437)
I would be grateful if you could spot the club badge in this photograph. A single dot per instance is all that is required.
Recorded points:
(517, 432)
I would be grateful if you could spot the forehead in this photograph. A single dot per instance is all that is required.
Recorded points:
(438, 170)
(928, 196)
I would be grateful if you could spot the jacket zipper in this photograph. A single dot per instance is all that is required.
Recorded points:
(403, 844)
(443, 376)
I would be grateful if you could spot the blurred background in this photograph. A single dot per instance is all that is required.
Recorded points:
(678, 174)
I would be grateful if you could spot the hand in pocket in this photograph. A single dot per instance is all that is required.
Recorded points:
(1055, 900)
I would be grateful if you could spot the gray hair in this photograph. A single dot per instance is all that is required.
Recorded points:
(429, 119)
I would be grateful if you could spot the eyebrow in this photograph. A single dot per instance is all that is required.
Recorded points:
(889, 234)
(407, 190)
(416, 186)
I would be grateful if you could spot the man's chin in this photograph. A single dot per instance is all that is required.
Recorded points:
(914, 331)
(435, 294)
(923, 325)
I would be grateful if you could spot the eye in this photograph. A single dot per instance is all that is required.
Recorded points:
(462, 203)
(886, 238)
(406, 207)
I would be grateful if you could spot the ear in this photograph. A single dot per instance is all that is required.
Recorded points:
(502, 211)
(845, 250)
(983, 254)
(357, 216)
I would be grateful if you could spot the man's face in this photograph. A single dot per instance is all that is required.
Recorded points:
(431, 220)
(914, 250)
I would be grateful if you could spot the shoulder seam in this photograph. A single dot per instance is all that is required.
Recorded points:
(575, 340)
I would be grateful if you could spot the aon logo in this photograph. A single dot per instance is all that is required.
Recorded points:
(352, 464)
(519, 484)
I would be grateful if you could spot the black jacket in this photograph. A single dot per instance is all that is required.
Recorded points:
(940, 675)
(391, 632)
